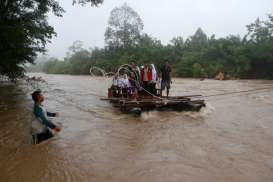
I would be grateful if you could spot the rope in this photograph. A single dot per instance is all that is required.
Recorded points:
(130, 71)
(97, 68)
(237, 92)
(124, 67)
(96, 95)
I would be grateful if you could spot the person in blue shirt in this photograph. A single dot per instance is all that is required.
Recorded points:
(41, 126)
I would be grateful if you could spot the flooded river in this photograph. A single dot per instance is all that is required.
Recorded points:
(229, 140)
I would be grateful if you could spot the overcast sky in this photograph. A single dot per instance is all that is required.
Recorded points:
(163, 19)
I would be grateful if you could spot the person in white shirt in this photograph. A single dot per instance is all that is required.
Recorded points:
(154, 79)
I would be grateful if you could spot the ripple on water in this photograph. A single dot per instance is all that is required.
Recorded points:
(228, 140)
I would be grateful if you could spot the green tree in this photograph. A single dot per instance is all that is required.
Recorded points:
(260, 48)
(79, 62)
(39, 64)
(198, 56)
(51, 66)
(198, 41)
(124, 27)
(175, 50)
(197, 70)
(24, 31)
(75, 47)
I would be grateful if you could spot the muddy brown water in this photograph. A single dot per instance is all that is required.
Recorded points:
(229, 140)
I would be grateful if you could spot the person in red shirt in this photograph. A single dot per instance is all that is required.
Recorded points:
(146, 77)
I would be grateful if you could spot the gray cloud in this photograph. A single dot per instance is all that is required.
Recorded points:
(162, 19)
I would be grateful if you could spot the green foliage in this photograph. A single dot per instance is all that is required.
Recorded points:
(38, 66)
(124, 27)
(198, 40)
(54, 66)
(198, 56)
(24, 31)
(197, 70)
(79, 62)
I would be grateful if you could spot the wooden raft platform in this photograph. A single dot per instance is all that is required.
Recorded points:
(171, 103)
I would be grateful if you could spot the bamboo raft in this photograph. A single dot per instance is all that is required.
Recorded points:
(140, 99)
(160, 103)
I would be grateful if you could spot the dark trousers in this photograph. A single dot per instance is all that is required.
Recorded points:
(146, 86)
(38, 138)
(150, 87)
(153, 88)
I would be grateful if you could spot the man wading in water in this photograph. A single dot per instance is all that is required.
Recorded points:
(166, 77)
(41, 124)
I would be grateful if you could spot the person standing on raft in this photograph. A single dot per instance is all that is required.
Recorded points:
(154, 80)
(146, 77)
(41, 125)
(166, 77)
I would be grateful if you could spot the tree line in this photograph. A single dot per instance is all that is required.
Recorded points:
(24, 32)
(200, 55)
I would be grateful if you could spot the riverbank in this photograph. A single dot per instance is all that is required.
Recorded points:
(175, 77)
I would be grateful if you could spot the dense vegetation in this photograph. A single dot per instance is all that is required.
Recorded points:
(24, 31)
(250, 56)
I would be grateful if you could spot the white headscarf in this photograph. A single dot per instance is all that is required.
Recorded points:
(115, 81)
(154, 74)
(125, 81)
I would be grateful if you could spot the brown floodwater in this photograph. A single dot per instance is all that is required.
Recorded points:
(229, 140)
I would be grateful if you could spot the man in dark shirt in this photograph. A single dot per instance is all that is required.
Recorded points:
(166, 77)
